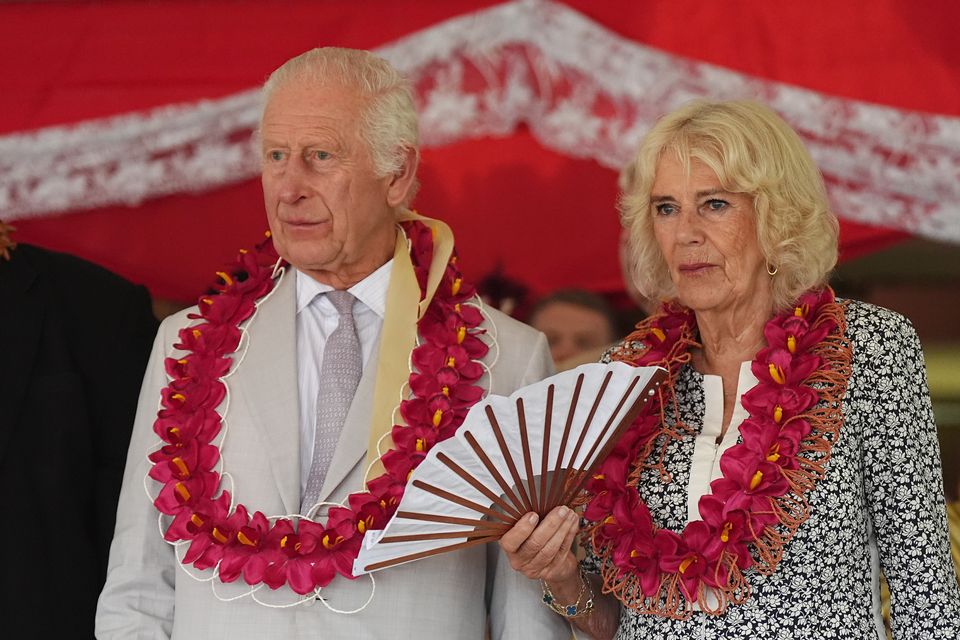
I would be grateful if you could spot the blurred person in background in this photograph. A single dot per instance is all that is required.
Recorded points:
(794, 457)
(75, 344)
(504, 293)
(580, 325)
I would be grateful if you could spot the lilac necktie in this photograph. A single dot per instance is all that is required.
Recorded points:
(339, 376)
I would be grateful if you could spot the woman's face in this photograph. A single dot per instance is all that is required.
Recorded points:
(708, 237)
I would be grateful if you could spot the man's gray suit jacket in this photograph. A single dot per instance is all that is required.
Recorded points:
(149, 595)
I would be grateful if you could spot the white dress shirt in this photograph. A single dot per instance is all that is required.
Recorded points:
(316, 320)
(705, 464)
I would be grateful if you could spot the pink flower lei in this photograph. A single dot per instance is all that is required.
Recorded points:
(275, 551)
(754, 509)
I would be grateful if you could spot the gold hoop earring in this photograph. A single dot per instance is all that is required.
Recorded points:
(774, 272)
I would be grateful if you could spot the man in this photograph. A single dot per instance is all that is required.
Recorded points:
(75, 343)
(579, 325)
(339, 145)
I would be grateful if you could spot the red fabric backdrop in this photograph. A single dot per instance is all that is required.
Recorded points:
(548, 219)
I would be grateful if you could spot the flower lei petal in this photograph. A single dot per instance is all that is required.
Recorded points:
(755, 508)
(304, 554)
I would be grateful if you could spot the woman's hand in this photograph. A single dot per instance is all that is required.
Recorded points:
(543, 549)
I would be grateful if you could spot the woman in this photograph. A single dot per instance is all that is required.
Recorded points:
(795, 453)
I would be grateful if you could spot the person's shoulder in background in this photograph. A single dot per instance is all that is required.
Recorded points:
(78, 280)
(78, 338)
(519, 353)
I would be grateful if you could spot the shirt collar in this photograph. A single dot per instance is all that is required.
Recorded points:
(371, 291)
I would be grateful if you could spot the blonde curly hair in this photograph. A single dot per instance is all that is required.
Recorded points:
(752, 151)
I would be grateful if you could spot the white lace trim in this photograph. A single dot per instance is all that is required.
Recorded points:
(583, 91)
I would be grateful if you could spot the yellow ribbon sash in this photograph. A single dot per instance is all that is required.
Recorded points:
(399, 334)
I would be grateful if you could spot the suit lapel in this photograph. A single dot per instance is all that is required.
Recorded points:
(267, 382)
(352, 444)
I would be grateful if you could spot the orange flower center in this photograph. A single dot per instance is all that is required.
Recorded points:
(181, 467)
(330, 545)
(364, 523)
(725, 534)
(777, 374)
(774, 454)
(182, 491)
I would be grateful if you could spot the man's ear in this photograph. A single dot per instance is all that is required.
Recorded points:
(403, 182)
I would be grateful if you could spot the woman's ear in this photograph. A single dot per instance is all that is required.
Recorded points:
(403, 182)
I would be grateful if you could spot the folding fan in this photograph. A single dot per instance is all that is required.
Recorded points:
(512, 455)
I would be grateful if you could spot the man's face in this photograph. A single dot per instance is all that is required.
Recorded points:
(329, 213)
(572, 329)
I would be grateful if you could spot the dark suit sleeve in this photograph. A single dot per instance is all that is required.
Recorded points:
(114, 405)
(110, 335)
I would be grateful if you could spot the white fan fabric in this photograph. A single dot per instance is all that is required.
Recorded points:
(608, 394)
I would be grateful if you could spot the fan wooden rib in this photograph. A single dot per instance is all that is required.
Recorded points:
(500, 501)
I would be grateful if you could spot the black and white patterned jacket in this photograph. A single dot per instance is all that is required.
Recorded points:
(880, 507)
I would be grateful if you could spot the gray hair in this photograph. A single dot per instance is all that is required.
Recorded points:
(388, 123)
